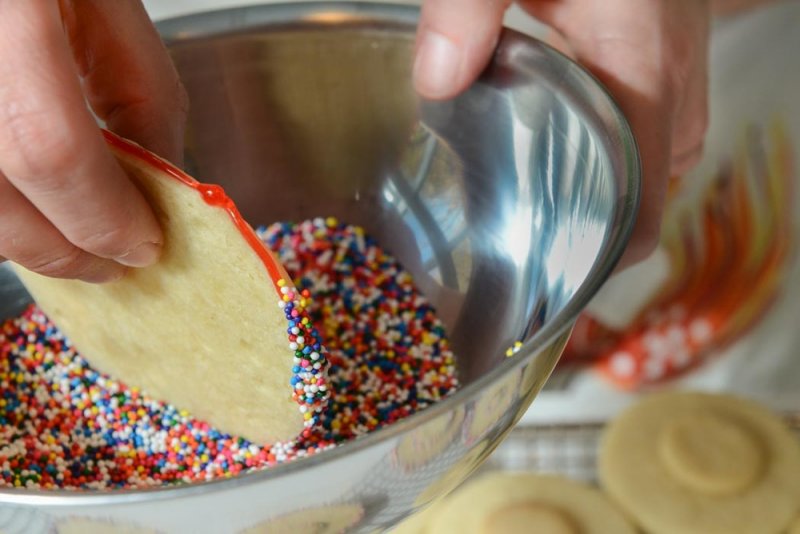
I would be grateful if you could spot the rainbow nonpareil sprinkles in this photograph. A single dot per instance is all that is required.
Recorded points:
(63, 425)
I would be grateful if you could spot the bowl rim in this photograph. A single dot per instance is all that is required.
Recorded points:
(217, 22)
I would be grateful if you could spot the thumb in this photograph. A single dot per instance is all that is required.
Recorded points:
(455, 40)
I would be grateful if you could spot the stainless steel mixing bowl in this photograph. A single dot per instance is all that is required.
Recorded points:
(510, 205)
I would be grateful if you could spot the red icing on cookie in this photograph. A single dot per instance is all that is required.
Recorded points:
(213, 195)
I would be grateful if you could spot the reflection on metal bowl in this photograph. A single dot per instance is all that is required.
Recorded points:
(510, 205)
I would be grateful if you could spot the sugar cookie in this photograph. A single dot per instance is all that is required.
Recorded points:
(523, 503)
(428, 443)
(417, 523)
(794, 528)
(686, 463)
(333, 519)
(455, 474)
(201, 329)
(91, 526)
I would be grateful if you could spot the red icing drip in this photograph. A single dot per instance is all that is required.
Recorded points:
(212, 194)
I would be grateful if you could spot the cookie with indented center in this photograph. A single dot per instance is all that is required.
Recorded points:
(794, 528)
(332, 519)
(702, 463)
(521, 503)
(215, 327)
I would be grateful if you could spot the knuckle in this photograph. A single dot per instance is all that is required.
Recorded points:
(65, 264)
(697, 129)
(107, 243)
(181, 100)
(642, 247)
(36, 146)
(684, 162)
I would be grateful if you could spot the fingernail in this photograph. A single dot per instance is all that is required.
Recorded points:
(143, 255)
(105, 273)
(436, 66)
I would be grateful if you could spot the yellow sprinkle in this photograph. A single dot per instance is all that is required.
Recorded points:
(331, 222)
(184, 439)
(281, 282)
(336, 424)
(509, 353)
(305, 320)
(307, 416)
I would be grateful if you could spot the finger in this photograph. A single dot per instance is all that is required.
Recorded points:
(734, 7)
(555, 39)
(620, 45)
(27, 238)
(455, 40)
(691, 115)
(683, 163)
(128, 76)
(52, 151)
(623, 45)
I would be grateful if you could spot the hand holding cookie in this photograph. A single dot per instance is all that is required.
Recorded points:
(67, 208)
(216, 326)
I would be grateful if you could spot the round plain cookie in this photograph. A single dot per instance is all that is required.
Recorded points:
(454, 475)
(334, 519)
(428, 443)
(418, 522)
(685, 462)
(521, 503)
(493, 404)
(92, 526)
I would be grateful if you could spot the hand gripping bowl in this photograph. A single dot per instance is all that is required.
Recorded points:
(510, 205)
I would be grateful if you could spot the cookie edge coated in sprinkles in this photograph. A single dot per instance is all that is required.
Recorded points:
(309, 381)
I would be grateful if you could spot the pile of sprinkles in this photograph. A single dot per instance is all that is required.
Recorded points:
(63, 425)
